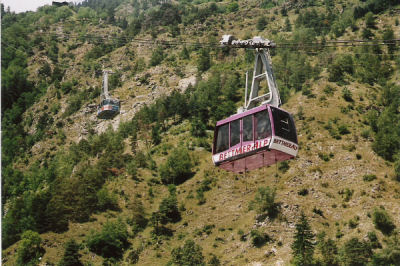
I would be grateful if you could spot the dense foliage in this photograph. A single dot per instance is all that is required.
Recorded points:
(111, 241)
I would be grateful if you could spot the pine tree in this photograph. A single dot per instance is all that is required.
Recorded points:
(71, 255)
(303, 245)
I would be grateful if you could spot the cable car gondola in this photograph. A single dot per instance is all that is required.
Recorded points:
(256, 136)
(108, 107)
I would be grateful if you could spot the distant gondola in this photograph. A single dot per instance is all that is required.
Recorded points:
(108, 107)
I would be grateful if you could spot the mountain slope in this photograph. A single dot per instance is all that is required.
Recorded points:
(74, 173)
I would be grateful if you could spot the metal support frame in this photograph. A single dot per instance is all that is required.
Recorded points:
(105, 94)
(262, 71)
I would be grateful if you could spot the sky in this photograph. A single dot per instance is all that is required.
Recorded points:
(18, 6)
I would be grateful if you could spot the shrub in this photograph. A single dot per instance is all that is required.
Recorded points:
(214, 261)
(382, 221)
(169, 210)
(204, 60)
(323, 156)
(157, 56)
(138, 219)
(369, 177)
(283, 166)
(258, 239)
(347, 95)
(131, 168)
(178, 167)
(343, 130)
(190, 254)
(264, 202)
(318, 211)
(232, 7)
(111, 241)
(303, 192)
(397, 170)
(261, 23)
(30, 249)
(341, 65)
(373, 240)
(390, 255)
(106, 200)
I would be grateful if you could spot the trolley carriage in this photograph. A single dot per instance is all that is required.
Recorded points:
(256, 136)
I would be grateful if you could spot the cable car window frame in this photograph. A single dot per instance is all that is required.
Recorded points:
(221, 137)
(249, 134)
(284, 126)
(234, 133)
(268, 132)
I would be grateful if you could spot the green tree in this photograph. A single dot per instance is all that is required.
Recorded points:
(71, 255)
(329, 251)
(30, 249)
(303, 245)
(138, 215)
(157, 56)
(355, 252)
(261, 23)
(370, 20)
(190, 254)
(390, 255)
(264, 202)
(111, 241)
(169, 210)
(155, 134)
(397, 170)
(382, 221)
(341, 65)
(178, 167)
(204, 60)
(107, 200)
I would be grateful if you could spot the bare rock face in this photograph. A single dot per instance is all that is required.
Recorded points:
(184, 83)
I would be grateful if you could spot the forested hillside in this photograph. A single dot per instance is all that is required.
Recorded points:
(141, 188)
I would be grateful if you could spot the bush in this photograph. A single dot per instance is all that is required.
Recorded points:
(178, 167)
(111, 241)
(131, 168)
(204, 60)
(30, 249)
(264, 202)
(369, 177)
(382, 221)
(233, 7)
(261, 23)
(258, 239)
(303, 192)
(138, 219)
(157, 56)
(341, 65)
(106, 200)
(190, 254)
(389, 255)
(343, 130)
(283, 166)
(169, 210)
(347, 95)
(397, 170)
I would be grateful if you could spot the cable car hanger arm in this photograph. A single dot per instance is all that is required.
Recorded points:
(262, 70)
